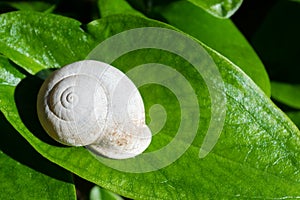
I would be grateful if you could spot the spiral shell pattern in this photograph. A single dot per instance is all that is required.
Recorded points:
(90, 103)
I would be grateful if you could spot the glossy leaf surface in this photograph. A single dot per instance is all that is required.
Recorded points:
(257, 155)
(25, 174)
(219, 8)
(26, 52)
(219, 34)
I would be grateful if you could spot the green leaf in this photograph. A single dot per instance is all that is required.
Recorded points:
(22, 182)
(98, 193)
(257, 154)
(8, 74)
(221, 35)
(32, 6)
(295, 116)
(286, 93)
(29, 38)
(218, 8)
(108, 7)
(24, 173)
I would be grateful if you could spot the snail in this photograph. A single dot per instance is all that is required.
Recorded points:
(92, 104)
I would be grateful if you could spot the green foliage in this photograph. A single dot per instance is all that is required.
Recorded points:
(295, 116)
(107, 7)
(277, 42)
(98, 193)
(256, 156)
(219, 34)
(218, 8)
(32, 6)
(24, 173)
(287, 94)
(23, 182)
(18, 29)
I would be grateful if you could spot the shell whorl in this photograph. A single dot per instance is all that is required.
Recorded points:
(90, 103)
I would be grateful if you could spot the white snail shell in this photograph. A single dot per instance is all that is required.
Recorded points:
(90, 103)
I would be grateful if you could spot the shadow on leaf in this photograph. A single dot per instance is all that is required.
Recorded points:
(26, 99)
(15, 146)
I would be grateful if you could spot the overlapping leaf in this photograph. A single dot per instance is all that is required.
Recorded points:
(288, 94)
(219, 34)
(219, 8)
(107, 8)
(31, 6)
(71, 42)
(98, 193)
